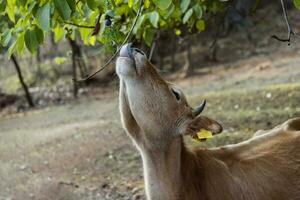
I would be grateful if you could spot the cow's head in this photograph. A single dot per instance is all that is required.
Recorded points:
(153, 110)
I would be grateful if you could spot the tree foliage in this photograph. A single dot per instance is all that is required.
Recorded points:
(27, 22)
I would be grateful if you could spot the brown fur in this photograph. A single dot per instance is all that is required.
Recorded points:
(265, 167)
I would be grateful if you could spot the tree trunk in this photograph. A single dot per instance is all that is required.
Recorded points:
(214, 53)
(74, 48)
(27, 94)
(188, 66)
(174, 50)
(38, 62)
(74, 74)
(53, 44)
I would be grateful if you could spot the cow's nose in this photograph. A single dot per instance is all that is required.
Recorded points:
(126, 51)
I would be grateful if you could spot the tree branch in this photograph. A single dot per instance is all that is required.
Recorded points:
(118, 50)
(78, 25)
(153, 45)
(290, 31)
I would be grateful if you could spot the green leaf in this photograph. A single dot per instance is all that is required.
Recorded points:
(59, 60)
(72, 4)
(154, 18)
(187, 15)
(102, 28)
(93, 4)
(105, 36)
(200, 25)
(12, 49)
(118, 2)
(34, 9)
(5, 38)
(85, 34)
(184, 5)
(31, 40)
(2, 6)
(22, 3)
(148, 36)
(198, 11)
(58, 33)
(43, 17)
(18, 45)
(166, 13)
(177, 31)
(162, 4)
(63, 8)
(92, 40)
(138, 24)
(10, 9)
(130, 3)
(122, 9)
(297, 3)
(147, 3)
(110, 13)
(39, 35)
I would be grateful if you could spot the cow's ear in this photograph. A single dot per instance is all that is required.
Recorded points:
(202, 122)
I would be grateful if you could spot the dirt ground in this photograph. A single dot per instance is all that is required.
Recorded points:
(79, 151)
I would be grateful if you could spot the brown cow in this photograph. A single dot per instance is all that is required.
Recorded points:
(156, 116)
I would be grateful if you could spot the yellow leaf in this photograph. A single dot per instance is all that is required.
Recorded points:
(84, 34)
(200, 25)
(10, 9)
(92, 40)
(58, 33)
(203, 134)
(118, 2)
(130, 3)
(147, 3)
(177, 31)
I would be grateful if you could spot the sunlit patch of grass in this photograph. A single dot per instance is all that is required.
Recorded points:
(243, 112)
(48, 75)
(11, 84)
(285, 86)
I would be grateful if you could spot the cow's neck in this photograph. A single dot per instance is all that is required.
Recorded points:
(162, 171)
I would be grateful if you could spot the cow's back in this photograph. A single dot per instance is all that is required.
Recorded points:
(266, 166)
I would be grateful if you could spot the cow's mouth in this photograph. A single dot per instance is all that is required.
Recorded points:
(131, 61)
(128, 51)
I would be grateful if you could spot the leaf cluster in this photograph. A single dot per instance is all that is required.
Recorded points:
(27, 22)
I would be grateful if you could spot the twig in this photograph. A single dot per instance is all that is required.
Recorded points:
(290, 31)
(69, 184)
(97, 26)
(78, 25)
(118, 50)
(153, 45)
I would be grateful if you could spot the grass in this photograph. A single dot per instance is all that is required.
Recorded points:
(244, 112)
(49, 76)
(83, 143)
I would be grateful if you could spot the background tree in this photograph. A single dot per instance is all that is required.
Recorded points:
(5, 40)
(108, 21)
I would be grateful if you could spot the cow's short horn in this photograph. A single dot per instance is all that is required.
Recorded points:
(199, 109)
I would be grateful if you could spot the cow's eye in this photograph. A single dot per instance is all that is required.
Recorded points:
(176, 94)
